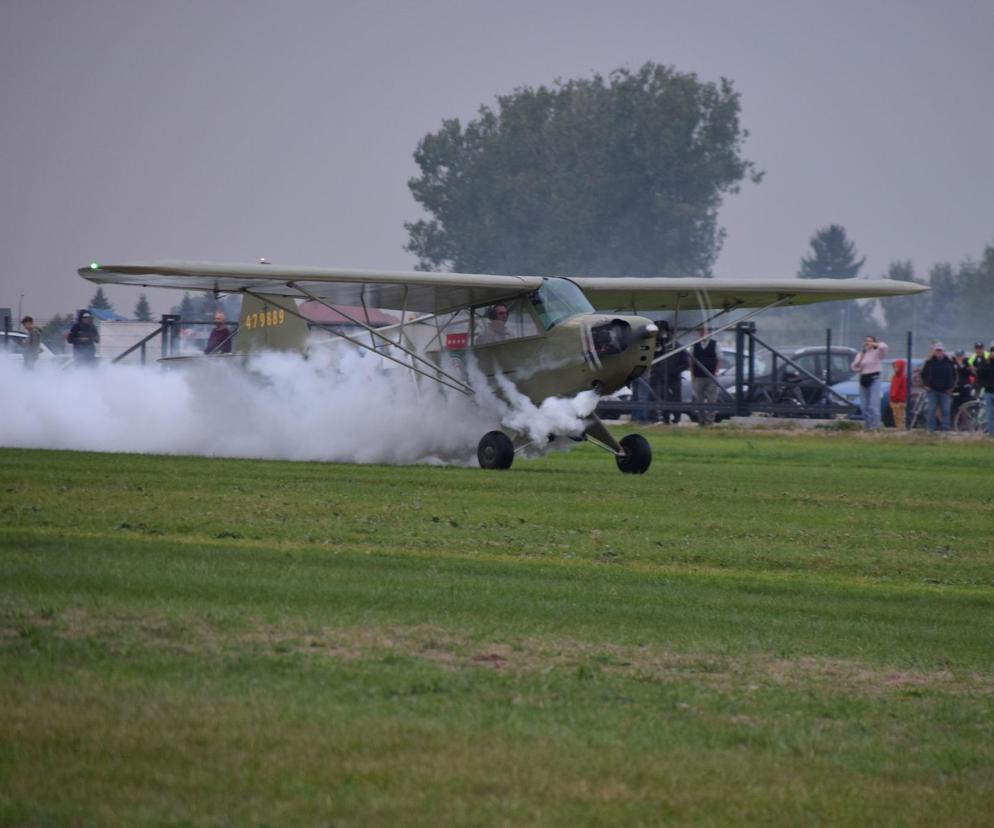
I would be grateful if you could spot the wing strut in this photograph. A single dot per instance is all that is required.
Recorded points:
(459, 384)
(732, 324)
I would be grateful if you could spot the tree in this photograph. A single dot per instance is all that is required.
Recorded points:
(143, 313)
(54, 332)
(960, 305)
(100, 301)
(901, 312)
(202, 306)
(833, 256)
(185, 309)
(622, 175)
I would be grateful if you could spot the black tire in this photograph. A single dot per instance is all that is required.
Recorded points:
(637, 457)
(495, 451)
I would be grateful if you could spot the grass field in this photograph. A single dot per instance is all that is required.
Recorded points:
(764, 629)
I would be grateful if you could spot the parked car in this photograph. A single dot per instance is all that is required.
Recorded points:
(791, 385)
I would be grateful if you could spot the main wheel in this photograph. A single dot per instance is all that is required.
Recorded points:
(637, 457)
(495, 451)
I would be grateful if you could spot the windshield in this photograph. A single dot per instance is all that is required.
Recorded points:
(558, 299)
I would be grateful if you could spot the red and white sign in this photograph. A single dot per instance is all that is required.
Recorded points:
(456, 341)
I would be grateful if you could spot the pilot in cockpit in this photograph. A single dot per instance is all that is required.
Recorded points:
(495, 327)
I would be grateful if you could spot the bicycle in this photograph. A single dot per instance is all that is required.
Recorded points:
(917, 410)
(971, 417)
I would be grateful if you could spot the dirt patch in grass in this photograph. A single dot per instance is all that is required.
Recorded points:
(522, 656)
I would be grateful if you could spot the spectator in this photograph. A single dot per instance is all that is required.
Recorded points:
(84, 336)
(495, 329)
(985, 381)
(898, 393)
(867, 365)
(703, 367)
(939, 379)
(666, 375)
(963, 392)
(978, 355)
(32, 344)
(219, 342)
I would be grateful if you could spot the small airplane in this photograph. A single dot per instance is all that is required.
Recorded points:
(548, 336)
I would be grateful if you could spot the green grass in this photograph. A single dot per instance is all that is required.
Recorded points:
(779, 629)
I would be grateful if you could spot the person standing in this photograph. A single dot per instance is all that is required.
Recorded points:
(978, 355)
(32, 344)
(667, 373)
(984, 369)
(219, 342)
(965, 377)
(84, 336)
(939, 379)
(898, 394)
(703, 368)
(867, 364)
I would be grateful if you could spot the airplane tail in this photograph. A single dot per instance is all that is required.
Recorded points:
(265, 324)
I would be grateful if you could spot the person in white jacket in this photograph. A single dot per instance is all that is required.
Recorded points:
(867, 364)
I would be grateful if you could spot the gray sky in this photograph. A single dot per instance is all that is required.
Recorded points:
(233, 129)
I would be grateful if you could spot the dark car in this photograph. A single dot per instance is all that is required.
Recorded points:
(801, 385)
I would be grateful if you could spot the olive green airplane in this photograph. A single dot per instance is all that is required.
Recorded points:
(548, 336)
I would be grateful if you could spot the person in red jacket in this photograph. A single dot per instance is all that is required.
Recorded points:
(898, 394)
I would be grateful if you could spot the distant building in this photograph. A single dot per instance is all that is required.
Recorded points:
(333, 322)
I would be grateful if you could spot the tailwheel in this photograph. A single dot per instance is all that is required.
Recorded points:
(637, 457)
(495, 451)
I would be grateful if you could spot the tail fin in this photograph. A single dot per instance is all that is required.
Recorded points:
(265, 324)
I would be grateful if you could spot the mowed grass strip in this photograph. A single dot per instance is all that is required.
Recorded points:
(777, 629)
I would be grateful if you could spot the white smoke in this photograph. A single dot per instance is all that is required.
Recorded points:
(351, 407)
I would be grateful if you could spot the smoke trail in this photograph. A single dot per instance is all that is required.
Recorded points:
(350, 407)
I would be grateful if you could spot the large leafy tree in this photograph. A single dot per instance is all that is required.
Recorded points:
(621, 175)
(833, 256)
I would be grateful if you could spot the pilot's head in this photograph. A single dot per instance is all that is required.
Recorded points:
(499, 313)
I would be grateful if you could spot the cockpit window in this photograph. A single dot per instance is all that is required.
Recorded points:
(503, 321)
(558, 299)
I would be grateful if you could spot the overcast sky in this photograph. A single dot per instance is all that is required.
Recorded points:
(233, 129)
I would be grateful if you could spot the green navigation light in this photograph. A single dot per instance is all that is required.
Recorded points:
(94, 266)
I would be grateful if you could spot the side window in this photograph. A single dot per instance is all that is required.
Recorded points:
(841, 366)
(809, 362)
(503, 321)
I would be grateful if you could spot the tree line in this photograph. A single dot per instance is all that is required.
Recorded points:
(624, 175)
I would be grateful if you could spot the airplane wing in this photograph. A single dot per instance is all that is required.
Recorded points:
(430, 292)
(649, 294)
(418, 291)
